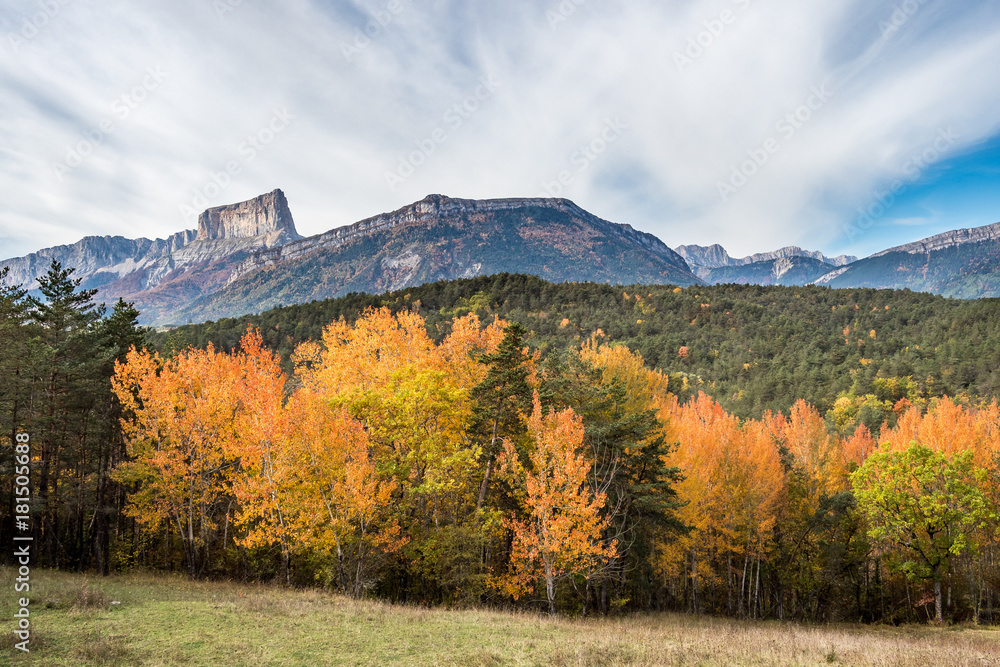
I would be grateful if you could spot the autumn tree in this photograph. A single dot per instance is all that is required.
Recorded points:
(561, 532)
(615, 394)
(333, 499)
(180, 433)
(260, 443)
(414, 399)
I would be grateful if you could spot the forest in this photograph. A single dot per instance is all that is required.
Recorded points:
(787, 453)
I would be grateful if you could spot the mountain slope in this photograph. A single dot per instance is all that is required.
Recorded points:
(442, 238)
(756, 348)
(790, 265)
(781, 271)
(964, 263)
(164, 275)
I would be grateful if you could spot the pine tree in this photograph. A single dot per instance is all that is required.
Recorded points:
(502, 399)
(67, 385)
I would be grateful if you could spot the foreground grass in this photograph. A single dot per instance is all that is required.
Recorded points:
(162, 620)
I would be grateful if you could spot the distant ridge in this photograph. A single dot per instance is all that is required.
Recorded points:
(790, 265)
(964, 263)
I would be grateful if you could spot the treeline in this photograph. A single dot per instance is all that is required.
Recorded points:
(58, 356)
(476, 471)
(434, 452)
(752, 348)
(462, 472)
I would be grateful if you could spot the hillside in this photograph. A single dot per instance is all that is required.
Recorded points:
(968, 270)
(755, 348)
(248, 257)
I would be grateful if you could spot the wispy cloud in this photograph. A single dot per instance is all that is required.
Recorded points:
(368, 81)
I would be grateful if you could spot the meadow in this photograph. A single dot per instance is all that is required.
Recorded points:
(156, 619)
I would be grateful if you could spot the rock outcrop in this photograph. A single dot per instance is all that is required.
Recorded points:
(437, 207)
(715, 256)
(266, 215)
(443, 238)
(962, 264)
(163, 275)
(711, 257)
(97, 259)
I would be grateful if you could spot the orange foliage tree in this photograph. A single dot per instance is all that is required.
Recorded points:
(562, 532)
(180, 432)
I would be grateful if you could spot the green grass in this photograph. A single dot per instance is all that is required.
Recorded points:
(168, 620)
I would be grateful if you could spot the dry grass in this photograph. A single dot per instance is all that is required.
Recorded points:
(163, 620)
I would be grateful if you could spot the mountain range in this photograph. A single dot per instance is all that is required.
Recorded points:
(790, 265)
(248, 257)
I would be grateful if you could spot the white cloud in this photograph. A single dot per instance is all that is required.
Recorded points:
(357, 115)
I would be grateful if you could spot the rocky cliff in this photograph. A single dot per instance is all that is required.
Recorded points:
(266, 215)
(97, 259)
(790, 265)
(715, 256)
(948, 240)
(964, 264)
(440, 238)
(164, 275)
(439, 207)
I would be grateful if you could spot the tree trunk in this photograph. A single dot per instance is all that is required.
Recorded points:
(489, 469)
(938, 616)
(550, 589)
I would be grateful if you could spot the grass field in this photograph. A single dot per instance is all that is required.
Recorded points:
(162, 620)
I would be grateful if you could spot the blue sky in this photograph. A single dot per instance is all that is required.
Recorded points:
(750, 123)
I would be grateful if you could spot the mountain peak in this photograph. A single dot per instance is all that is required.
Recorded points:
(715, 256)
(266, 214)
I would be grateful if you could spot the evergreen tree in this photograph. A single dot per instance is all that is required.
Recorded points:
(502, 399)
(66, 387)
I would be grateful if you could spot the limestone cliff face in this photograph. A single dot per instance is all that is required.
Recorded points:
(715, 256)
(948, 240)
(97, 259)
(435, 208)
(266, 215)
(164, 274)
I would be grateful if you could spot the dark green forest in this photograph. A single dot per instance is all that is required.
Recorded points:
(752, 348)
